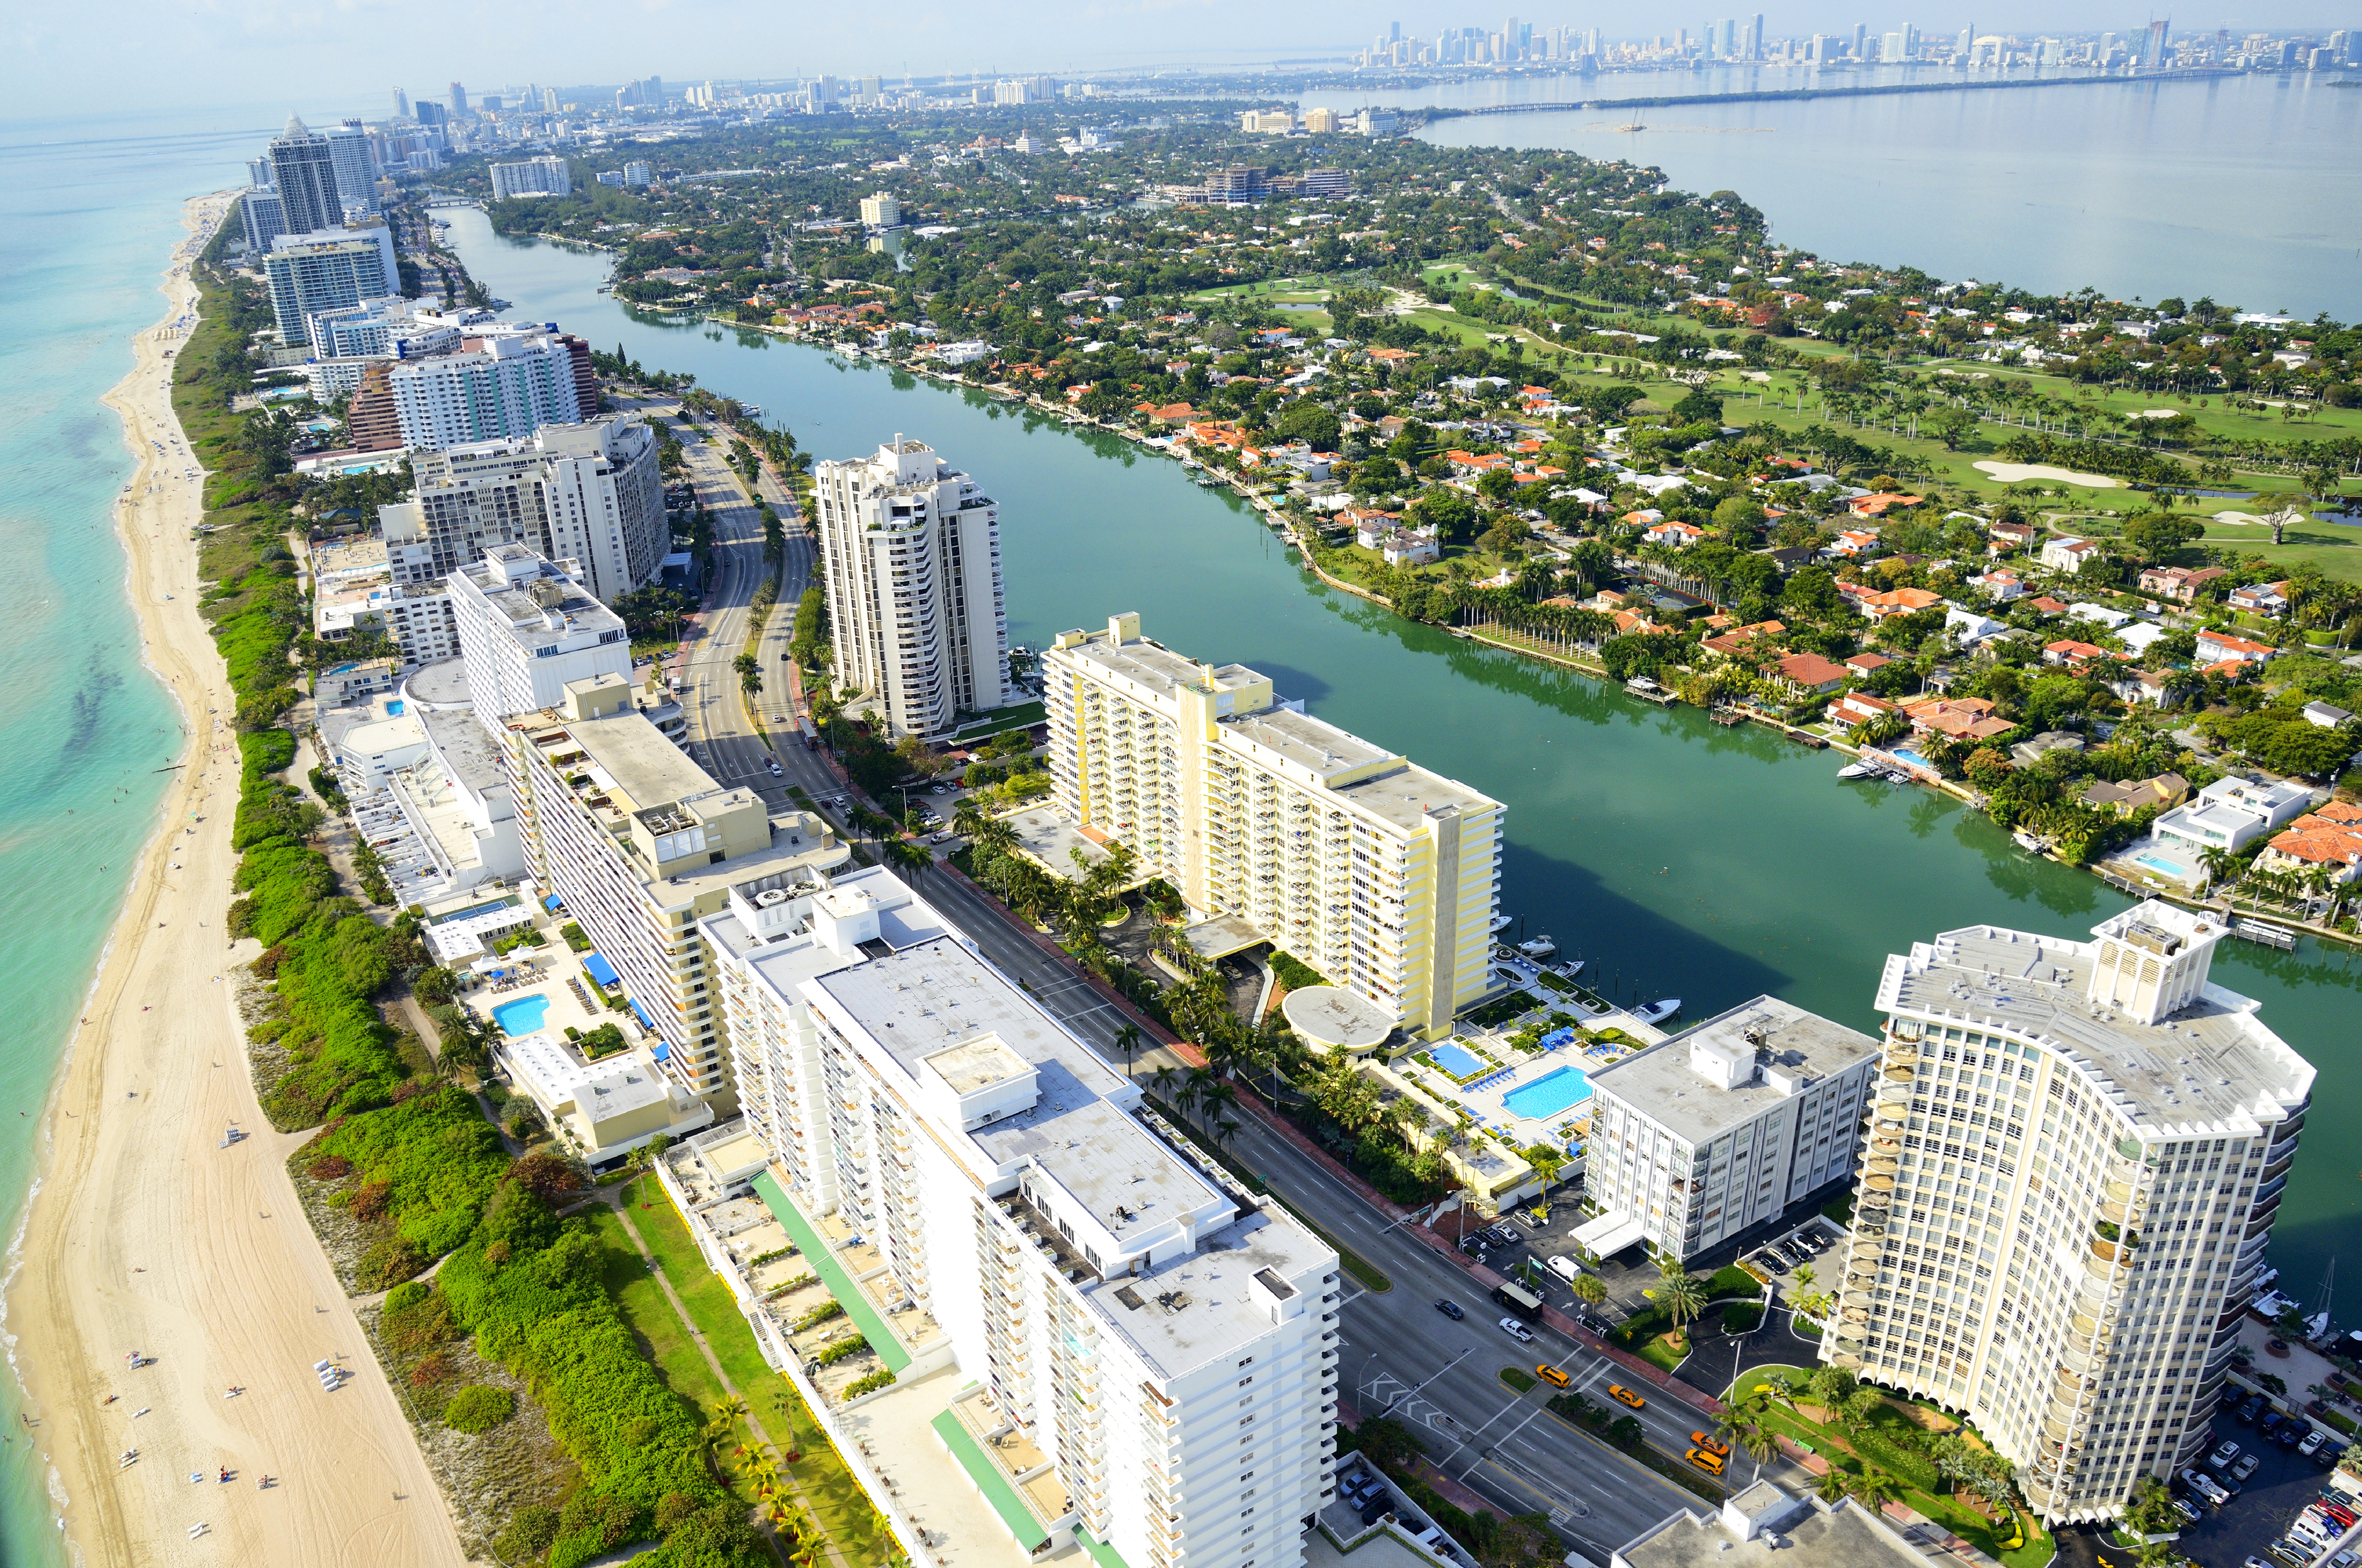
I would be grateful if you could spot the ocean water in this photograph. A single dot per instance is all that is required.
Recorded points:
(89, 212)
(2244, 189)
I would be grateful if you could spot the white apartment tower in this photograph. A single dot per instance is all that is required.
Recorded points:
(528, 630)
(2074, 1156)
(588, 494)
(504, 382)
(640, 842)
(1721, 1128)
(912, 551)
(1371, 869)
(1165, 1342)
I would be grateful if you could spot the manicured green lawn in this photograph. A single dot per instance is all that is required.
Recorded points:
(838, 1503)
(1657, 1353)
(1912, 1471)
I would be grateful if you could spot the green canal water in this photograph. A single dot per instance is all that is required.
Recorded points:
(1675, 858)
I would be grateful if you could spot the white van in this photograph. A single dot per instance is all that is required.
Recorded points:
(1565, 1267)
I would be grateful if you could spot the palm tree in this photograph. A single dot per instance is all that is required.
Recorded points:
(1832, 1486)
(1127, 1040)
(908, 855)
(1160, 1084)
(1683, 1296)
(1875, 1488)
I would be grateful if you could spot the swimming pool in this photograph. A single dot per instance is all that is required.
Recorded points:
(1457, 1059)
(523, 1016)
(2162, 867)
(1548, 1095)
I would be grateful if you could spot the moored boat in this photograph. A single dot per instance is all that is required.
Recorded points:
(1657, 1012)
(1540, 947)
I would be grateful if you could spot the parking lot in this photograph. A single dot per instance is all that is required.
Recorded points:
(2282, 1484)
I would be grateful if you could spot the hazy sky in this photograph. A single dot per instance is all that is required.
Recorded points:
(87, 54)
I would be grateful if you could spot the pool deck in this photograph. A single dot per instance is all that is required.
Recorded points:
(2129, 863)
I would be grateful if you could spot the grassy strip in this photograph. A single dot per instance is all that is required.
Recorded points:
(1839, 1450)
(1517, 1378)
(839, 1506)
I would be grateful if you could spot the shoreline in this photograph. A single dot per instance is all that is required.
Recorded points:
(142, 1233)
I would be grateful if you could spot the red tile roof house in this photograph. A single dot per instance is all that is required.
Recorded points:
(2180, 584)
(1677, 533)
(2067, 651)
(1807, 674)
(1896, 602)
(1860, 708)
(1877, 505)
(1735, 644)
(2214, 646)
(1966, 718)
(1867, 664)
(2003, 537)
(2329, 837)
(2047, 604)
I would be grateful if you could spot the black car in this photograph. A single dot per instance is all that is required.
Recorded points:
(2251, 1409)
(2292, 1432)
(1451, 1309)
(2271, 1425)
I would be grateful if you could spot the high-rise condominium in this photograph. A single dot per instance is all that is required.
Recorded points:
(1156, 1344)
(459, 102)
(306, 167)
(2074, 1156)
(1373, 871)
(400, 105)
(587, 494)
(309, 273)
(912, 551)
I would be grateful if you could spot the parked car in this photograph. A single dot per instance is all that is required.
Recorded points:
(2292, 1431)
(1451, 1309)
(2249, 1412)
(2213, 1495)
(2246, 1466)
(2315, 1442)
(1565, 1267)
(2292, 1556)
(2222, 1457)
(2269, 1423)
(1517, 1331)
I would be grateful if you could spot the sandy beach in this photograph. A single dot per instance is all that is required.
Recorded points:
(146, 1234)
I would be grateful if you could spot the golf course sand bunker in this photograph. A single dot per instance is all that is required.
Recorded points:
(2010, 474)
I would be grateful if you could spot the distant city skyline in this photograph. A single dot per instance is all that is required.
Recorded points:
(67, 59)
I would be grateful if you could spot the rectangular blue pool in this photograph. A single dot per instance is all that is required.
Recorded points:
(523, 1016)
(1549, 1095)
(1457, 1059)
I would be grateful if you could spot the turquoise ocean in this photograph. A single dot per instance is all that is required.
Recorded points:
(89, 213)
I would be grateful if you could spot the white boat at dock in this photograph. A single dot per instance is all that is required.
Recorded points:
(1857, 769)
(1502, 923)
(1539, 948)
(1657, 1012)
(2028, 842)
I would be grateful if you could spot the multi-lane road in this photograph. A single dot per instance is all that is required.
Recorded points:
(1401, 1355)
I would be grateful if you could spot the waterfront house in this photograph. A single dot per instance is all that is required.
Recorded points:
(2165, 789)
(1860, 708)
(1370, 528)
(2329, 839)
(2155, 687)
(1677, 533)
(2217, 648)
(1961, 718)
(1853, 542)
(1805, 674)
(2027, 753)
(2233, 813)
(2181, 584)
(1411, 546)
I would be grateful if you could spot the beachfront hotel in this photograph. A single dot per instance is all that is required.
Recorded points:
(910, 554)
(1117, 1344)
(2074, 1156)
(639, 842)
(1722, 1127)
(1348, 856)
